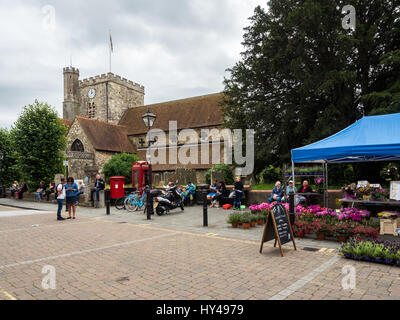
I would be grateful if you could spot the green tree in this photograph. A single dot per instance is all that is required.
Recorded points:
(303, 77)
(39, 140)
(10, 171)
(226, 170)
(120, 165)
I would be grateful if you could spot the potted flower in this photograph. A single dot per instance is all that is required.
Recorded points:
(320, 229)
(381, 195)
(299, 229)
(260, 219)
(253, 220)
(254, 208)
(245, 220)
(234, 219)
(342, 232)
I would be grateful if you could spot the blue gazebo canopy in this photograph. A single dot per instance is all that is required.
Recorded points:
(375, 138)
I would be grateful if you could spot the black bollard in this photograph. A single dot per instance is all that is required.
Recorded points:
(107, 194)
(292, 209)
(149, 204)
(205, 209)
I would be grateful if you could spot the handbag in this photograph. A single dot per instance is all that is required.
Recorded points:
(232, 195)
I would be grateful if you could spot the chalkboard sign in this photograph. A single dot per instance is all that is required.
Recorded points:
(278, 228)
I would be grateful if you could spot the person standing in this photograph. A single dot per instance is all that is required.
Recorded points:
(60, 195)
(98, 186)
(239, 192)
(71, 189)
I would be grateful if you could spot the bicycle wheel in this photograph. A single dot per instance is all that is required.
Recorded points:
(131, 205)
(120, 203)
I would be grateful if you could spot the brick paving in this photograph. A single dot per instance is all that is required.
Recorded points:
(99, 257)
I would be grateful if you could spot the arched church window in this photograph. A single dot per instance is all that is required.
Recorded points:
(77, 146)
(91, 111)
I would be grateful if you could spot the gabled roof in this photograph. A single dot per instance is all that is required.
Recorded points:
(374, 138)
(196, 112)
(105, 136)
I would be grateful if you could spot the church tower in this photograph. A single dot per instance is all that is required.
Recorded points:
(71, 105)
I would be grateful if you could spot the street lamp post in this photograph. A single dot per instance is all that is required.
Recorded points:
(2, 191)
(149, 119)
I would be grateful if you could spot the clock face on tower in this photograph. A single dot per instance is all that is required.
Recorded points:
(91, 93)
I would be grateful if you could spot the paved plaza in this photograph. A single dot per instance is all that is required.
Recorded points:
(124, 256)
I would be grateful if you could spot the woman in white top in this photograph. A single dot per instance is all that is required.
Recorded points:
(60, 192)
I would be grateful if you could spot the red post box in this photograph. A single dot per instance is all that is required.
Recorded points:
(140, 175)
(117, 187)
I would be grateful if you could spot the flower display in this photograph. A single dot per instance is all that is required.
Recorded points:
(381, 194)
(373, 251)
(347, 222)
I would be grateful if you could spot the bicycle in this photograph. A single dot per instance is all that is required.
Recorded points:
(134, 203)
(120, 203)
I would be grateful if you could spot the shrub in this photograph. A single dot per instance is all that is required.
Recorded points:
(120, 165)
(270, 175)
(226, 170)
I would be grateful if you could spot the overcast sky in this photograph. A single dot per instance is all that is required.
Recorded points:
(175, 48)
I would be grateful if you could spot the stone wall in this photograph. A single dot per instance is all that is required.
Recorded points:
(201, 176)
(121, 94)
(101, 158)
(79, 160)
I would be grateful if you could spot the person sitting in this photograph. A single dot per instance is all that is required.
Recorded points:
(190, 191)
(291, 189)
(169, 186)
(51, 190)
(304, 189)
(22, 190)
(277, 193)
(14, 188)
(214, 192)
(40, 191)
(222, 193)
(81, 190)
(99, 185)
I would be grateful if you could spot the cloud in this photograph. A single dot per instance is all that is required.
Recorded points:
(175, 48)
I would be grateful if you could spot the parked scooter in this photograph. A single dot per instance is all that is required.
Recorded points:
(170, 201)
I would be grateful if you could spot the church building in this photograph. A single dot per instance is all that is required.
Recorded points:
(103, 115)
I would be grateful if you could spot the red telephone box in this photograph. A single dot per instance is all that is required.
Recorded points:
(140, 175)
(117, 187)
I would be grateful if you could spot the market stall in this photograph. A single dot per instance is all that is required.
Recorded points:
(375, 138)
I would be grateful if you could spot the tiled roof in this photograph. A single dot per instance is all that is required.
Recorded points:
(196, 112)
(67, 123)
(106, 136)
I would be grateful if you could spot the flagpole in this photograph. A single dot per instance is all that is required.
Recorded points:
(110, 50)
